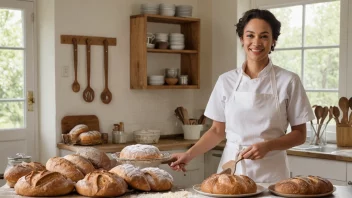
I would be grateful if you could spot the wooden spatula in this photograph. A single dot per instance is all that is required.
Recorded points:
(230, 166)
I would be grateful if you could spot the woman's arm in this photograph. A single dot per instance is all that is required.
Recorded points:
(296, 137)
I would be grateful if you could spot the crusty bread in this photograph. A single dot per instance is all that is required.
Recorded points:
(90, 138)
(84, 165)
(43, 183)
(101, 184)
(65, 167)
(140, 151)
(14, 173)
(158, 179)
(133, 176)
(76, 131)
(98, 158)
(304, 185)
(228, 184)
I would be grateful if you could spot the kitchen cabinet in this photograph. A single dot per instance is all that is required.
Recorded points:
(193, 175)
(349, 173)
(190, 27)
(211, 160)
(334, 171)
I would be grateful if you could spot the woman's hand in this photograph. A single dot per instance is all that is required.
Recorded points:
(181, 160)
(256, 151)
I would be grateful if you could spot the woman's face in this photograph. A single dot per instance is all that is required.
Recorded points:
(257, 40)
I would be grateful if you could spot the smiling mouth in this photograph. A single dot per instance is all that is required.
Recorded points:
(256, 50)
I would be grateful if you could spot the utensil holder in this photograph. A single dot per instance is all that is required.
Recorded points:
(343, 136)
(192, 132)
(318, 134)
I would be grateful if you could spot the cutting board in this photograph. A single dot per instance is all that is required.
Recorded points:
(92, 121)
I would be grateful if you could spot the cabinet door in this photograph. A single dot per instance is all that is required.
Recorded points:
(212, 160)
(333, 170)
(349, 173)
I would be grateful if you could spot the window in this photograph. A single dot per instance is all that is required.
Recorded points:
(310, 46)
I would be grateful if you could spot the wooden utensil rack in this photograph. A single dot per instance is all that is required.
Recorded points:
(81, 40)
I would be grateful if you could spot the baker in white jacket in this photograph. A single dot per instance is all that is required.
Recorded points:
(252, 106)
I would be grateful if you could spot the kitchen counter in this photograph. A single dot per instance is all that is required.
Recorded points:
(329, 152)
(341, 192)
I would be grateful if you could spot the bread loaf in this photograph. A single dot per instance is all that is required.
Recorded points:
(98, 158)
(304, 185)
(14, 173)
(90, 138)
(228, 184)
(140, 151)
(65, 167)
(133, 176)
(158, 179)
(76, 131)
(43, 183)
(101, 184)
(84, 165)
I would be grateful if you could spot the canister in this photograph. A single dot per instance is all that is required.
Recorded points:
(183, 79)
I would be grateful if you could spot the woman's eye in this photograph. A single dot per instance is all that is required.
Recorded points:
(250, 36)
(265, 36)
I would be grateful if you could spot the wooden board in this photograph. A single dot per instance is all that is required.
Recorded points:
(81, 40)
(68, 122)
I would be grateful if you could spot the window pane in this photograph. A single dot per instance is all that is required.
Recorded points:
(322, 24)
(321, 68)
(11, 31)
(291, 26)
(11, 115)
(11, 74)
(323, 98)
(288, 59)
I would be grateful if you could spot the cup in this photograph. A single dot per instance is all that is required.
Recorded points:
(150, 38)
(318, 135)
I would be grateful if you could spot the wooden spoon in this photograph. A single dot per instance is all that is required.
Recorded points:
(336, 113)
(106, 95)
(88, 93)
(231, 165)
(185, 115)
(318, 111)
(350, 105)
(344, 106)
(75, 85)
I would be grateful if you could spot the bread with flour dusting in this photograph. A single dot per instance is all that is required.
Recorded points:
(158, 179)
(98, 158)
(65, 167)
(140, 151)
(133, 176)
(14, 173)
(84, 165)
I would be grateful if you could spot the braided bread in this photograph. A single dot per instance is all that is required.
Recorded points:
(304, 185)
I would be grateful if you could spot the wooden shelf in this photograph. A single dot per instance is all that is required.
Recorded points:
(172, 86)
(172, 51)
(189, 64)
(166, 19)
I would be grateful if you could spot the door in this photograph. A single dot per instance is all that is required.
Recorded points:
(17, 80)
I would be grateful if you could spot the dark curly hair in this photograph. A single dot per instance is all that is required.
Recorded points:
(265, 15)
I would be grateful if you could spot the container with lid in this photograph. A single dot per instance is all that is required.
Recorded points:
(183, 79)
(118, 134)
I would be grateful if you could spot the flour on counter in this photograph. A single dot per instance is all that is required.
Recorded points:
(177, 194)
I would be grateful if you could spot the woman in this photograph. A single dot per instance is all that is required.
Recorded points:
(252, 106)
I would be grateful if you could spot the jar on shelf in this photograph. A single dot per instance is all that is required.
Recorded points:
(118, 134)
(183, 79)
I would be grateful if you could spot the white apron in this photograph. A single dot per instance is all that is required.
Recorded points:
(253, 118)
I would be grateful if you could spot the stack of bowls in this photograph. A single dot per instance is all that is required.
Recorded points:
(149, 8)
(161, 40)
(177, 41)
(156, 80)
(167, 9)
(184, 11)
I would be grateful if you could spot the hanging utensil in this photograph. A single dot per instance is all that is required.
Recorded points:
(106, 95)
(75, 85)
(344, 106)
(88, 93)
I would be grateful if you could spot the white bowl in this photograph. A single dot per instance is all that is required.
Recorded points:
(150, 45)
(177, 47)
(147, 136)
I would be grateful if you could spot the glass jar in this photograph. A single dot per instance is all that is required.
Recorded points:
(17, 159)
(118, 134)
(183, 79)
(318, 135)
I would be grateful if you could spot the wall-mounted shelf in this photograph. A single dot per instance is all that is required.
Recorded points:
(190, 27)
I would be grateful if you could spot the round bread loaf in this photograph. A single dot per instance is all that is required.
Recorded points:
(76, 131)
(98, 158)
(140, 151)
(90, 138)
(43, 183)
(133, 176)
(158, 179)
(101, 184)
(304, 185)
(65, 167)
(84, 165)
(228, 184)
(14, 173)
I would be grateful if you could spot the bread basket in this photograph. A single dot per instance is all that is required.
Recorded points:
(147, 136)
(165, 158)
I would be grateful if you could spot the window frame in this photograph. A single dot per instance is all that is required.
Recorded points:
(345, 43)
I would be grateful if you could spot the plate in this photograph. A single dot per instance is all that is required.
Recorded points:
(260, 189)
(165, 156)
(271, 189)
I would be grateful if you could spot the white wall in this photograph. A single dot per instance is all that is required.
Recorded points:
(137, 108)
